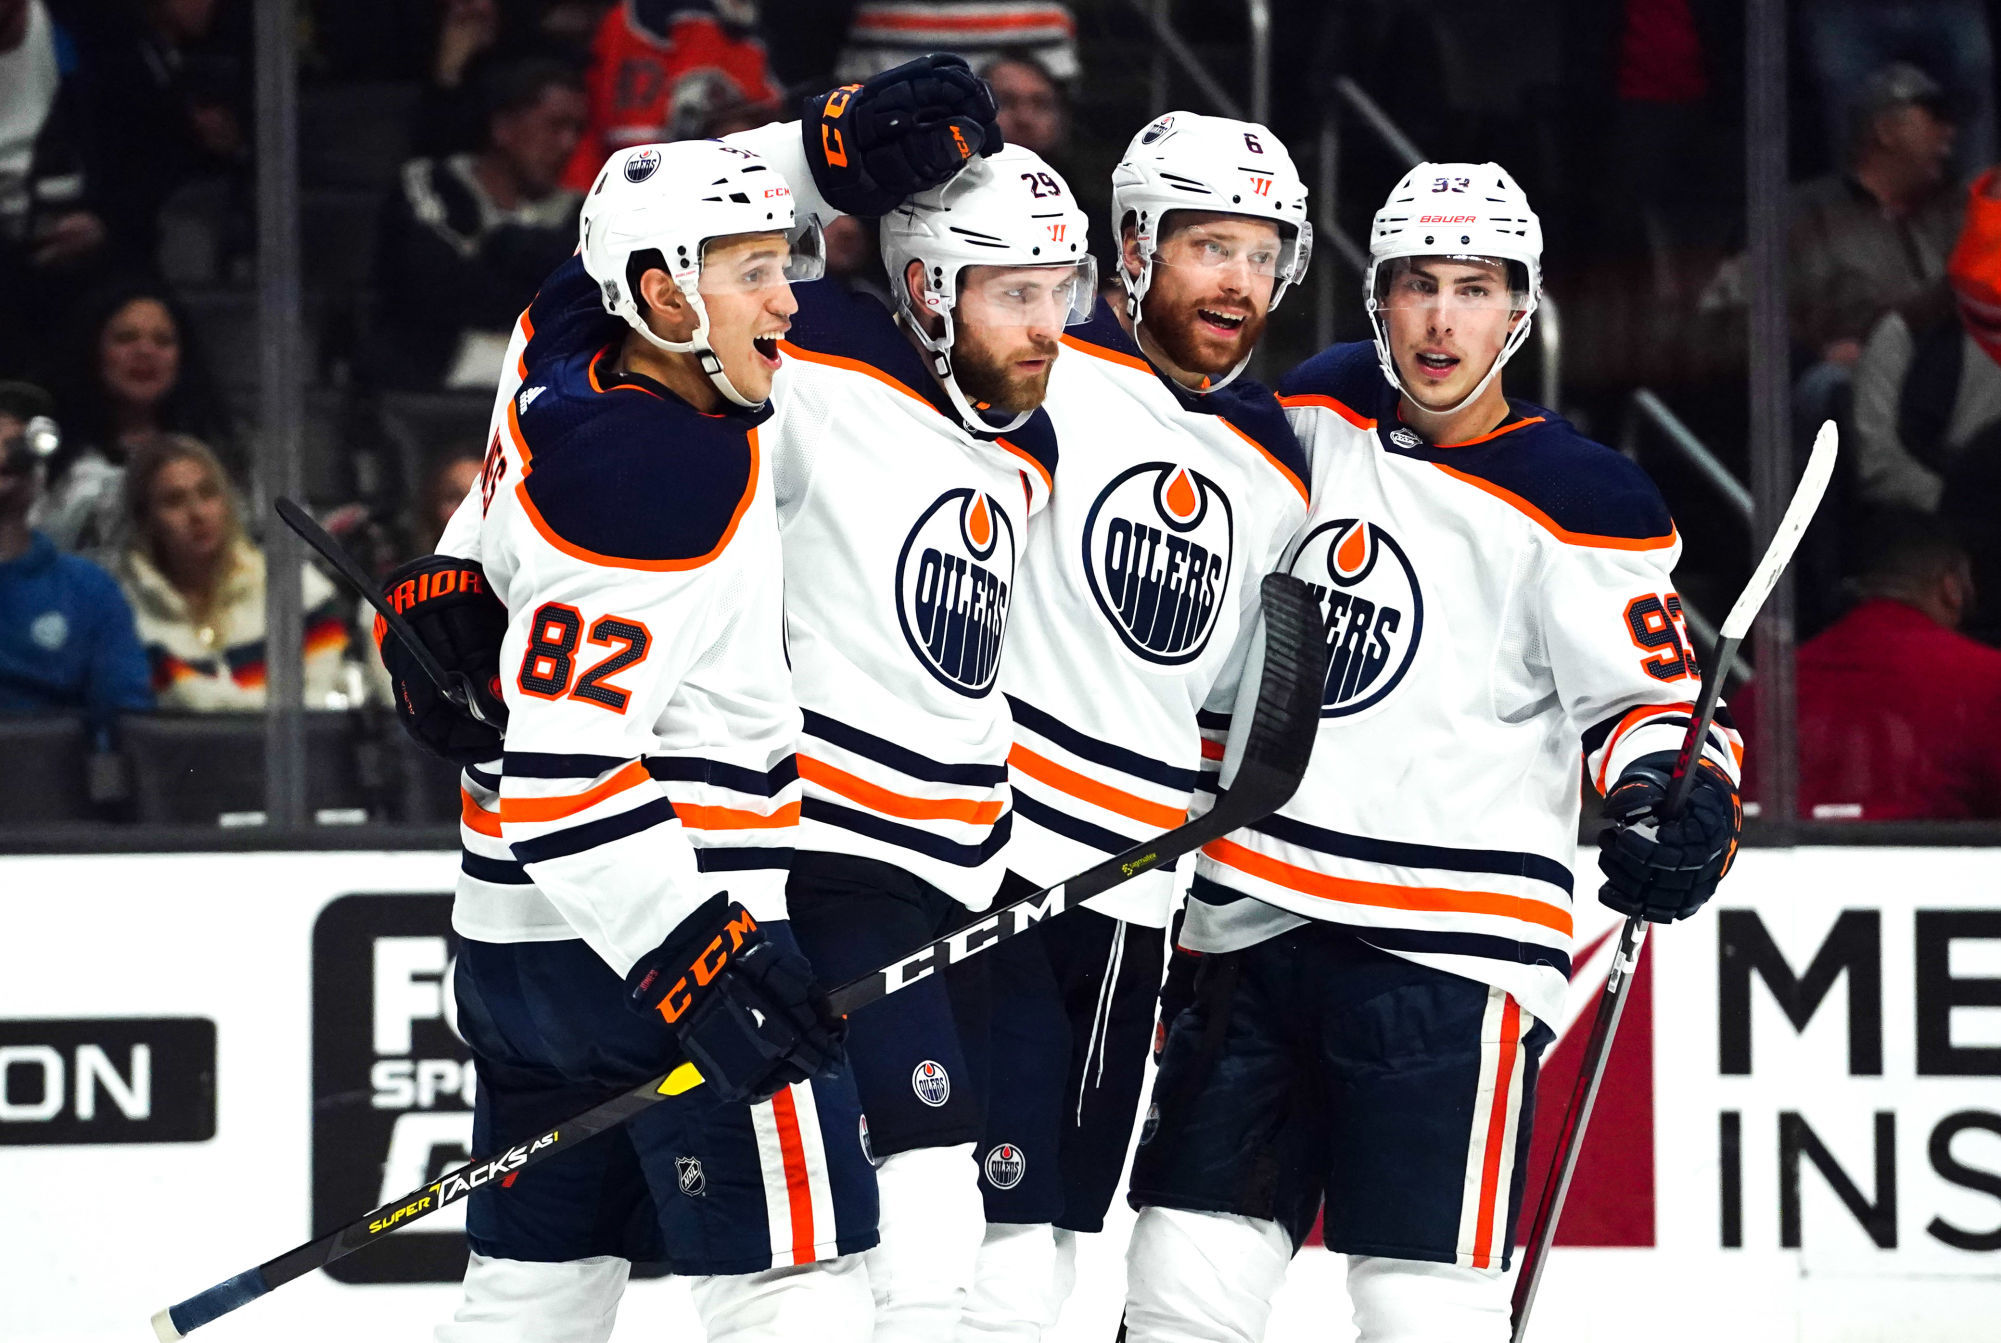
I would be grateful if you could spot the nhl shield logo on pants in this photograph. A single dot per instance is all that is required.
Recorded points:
(929, 1080)
(693, 1183)
(1005, 1166)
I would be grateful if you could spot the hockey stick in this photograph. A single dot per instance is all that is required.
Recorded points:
(454, 686)
(1612, 1003)
(1277, 743)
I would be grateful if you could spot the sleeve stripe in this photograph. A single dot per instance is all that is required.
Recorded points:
(591, 834)
(1087, 789)
(545, 765)
(1212, 749)
(518, 810)
(743, 858)
(665, 768)
(898, 804)
(475, 819)
(1211, 721)
(493, 871)
(732, 818)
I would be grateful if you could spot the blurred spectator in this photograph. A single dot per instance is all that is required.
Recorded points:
(817, 42)
(48, 228)
(672, 70)
(1928, 388)
(66, 637)
(196, 584)
(130, 372)
(166, 93)
(1899, 716)
(474, 37)
(466, 240)
(449, 483)
(1035, 113)
(1845, 40)
(1876, 234)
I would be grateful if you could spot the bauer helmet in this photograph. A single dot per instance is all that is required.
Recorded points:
(1471, 211)
(1188, 161)
(660, 205)
(1007, 209)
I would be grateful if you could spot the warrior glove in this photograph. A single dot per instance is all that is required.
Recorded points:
(447, 602)
(744, 1008)
(907, 130)
(1664, 870)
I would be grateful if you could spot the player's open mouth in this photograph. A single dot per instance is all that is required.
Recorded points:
(1434, 365)
(767, 347)
(1226, 323)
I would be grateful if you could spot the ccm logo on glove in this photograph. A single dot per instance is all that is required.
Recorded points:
(707, 965)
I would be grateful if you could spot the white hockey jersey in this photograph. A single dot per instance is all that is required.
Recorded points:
(1138, 593)
(652, 726)
(902, 533)
(1491, 605)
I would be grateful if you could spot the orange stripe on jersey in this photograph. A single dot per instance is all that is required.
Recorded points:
(1422, 899)
(577, 552)
(896, 804)
(798, 1183)
(1048, 481)
(1328, 403)
(1212, 750)
(480, 822)
(1497, 1136)
(1634, 717)
(733, 818)
(948, 24)
(601, 389)
(1494, 434)
(1090, 790)
(515, 434)
(1110, 355)
(1277, 465)
(1549, 524)
(527, 325)
(523, 809)
(852, 366)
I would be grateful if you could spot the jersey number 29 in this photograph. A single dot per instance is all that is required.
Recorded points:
(551, 660)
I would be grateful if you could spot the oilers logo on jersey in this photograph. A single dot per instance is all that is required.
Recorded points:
(953, 582)
(1157, 547)
(1374, 609)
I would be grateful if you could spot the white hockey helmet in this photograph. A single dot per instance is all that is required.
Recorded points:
(673, 199)
(1471, 210)
(1009, 208)
(1189, 161)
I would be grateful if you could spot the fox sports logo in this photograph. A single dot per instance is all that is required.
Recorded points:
(953, 582)
(1373, 608)
(1157, 547)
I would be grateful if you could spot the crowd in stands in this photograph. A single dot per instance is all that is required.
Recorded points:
(446, 146)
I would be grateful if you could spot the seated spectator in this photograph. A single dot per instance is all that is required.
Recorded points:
(196, 584)
(473, 38)
(1876, 234)
(66, 637)
(48, 229)
(467, 240)
(1846, 39)
(672, 70)
(1928, 387)
(446, 488)
(1899, 715)
(1035, 113)
(130, 373)
(868, 37)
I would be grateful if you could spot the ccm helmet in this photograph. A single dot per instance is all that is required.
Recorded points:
(1471, 211)
(1188, 161)
(1007, 209)
(660, 205)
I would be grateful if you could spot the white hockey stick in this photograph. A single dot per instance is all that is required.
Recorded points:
(1598, 1049)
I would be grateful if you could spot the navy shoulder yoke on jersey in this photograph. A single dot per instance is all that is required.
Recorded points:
(854, 331)
(617, 469)
(1246, 405)
(567, 315)
(1536, 461)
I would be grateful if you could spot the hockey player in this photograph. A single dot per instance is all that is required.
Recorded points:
(1180, 485)
(627, 520)
(1378, 960)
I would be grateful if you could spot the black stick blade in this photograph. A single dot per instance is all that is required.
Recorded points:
(1279, 741)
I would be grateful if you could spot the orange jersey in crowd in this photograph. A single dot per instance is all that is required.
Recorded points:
(661, 71)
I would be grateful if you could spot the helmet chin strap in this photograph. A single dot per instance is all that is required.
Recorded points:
(1389, 364)
(1136, 291)
(697, 345)
(938, 351)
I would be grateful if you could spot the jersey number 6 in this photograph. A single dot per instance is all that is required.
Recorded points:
(550, 662)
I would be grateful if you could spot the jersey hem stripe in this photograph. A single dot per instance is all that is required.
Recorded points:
(1399, 853)
(529, 809)
(1381, 895)
(899, 758)
(877, 798)
(1070, 827)
(886, 831)
(1098, 751)
(1047, 772)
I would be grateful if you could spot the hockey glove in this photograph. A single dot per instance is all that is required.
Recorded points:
(906, 130)
(448, 603)
(1177, 991)
(744, 1008)
(1664, 870)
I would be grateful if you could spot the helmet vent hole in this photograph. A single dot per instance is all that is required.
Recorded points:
(1035, 251)
(1428, 240)
(1236, 200)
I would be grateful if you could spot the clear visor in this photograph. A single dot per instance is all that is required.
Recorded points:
(1028, 296)
(1456, 282)
(1239, 244)
(745, 263)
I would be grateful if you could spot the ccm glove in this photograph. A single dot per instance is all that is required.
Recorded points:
(906, 130)
(745, 1009)
(1664, 870)
(447, 602)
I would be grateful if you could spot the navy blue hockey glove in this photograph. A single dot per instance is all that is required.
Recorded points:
(447, 601)
(1665, 870)
(906, 130)
(745, 1009)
